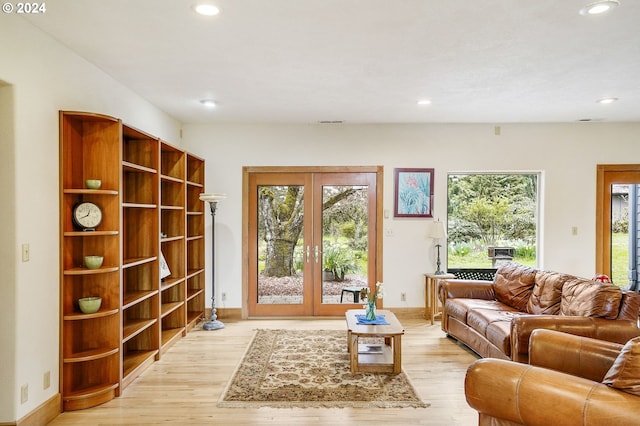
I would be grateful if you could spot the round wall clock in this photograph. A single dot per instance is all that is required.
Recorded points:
(87, 216)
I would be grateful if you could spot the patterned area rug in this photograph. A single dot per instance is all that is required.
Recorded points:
(310, 368)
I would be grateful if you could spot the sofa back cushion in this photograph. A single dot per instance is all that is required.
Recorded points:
(587, 298)
(513, 285)
(630, 306)
(547, 293)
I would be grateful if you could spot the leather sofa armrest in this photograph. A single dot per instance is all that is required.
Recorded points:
(457, 288)
(530, 395)
(522, 326)
(575, 355)
(469, 289)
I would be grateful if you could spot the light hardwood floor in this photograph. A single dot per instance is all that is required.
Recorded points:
(184, 386)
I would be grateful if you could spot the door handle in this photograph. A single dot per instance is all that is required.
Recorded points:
(308, 253)
(317, 251)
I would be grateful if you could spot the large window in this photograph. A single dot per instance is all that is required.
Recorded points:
(492, 218)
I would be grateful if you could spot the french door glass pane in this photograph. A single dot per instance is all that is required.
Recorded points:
(345, 230)
(280, 244)
(620, 234)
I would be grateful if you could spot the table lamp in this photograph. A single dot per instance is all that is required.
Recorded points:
(437, 232)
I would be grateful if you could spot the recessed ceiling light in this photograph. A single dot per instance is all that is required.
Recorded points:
(209, 103)
(206, 9)
(599, 7)
(424, 102)
(606, 100)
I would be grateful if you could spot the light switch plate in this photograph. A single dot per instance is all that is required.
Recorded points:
(25, 252)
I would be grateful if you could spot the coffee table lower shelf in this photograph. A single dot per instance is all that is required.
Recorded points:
(389, 357)
(382, 362)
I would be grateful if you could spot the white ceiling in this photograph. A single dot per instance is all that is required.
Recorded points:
(363, 61)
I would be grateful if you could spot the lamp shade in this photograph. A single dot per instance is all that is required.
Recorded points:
(213, 197)
(436, 230)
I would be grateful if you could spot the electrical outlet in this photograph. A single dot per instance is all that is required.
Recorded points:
(224, 296)
(24, 394)
(46, 380)
(403, 297)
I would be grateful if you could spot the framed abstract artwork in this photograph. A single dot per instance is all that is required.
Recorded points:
(413, 195)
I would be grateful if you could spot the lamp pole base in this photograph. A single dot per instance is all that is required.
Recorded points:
(213, 325)
(438, 270)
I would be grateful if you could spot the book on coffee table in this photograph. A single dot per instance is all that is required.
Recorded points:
(369, 348)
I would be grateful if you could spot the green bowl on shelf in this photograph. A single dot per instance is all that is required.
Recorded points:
(93, 183)
(93, 262)
(90, 305)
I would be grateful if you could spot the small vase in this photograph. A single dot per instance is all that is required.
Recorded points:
(370, 313)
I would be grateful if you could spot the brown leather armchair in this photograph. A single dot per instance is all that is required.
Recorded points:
(561, 385)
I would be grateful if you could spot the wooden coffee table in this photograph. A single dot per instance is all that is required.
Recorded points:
(375, 358)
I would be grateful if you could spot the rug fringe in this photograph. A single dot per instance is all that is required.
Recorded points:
(319, 404)
(235, 371)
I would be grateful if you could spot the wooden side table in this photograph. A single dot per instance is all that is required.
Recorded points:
(431, 308)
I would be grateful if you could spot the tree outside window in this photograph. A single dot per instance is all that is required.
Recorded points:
(491, 210)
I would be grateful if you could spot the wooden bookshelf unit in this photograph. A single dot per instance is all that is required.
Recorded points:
(149, 199)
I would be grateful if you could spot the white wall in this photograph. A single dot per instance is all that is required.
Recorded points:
(566, 154)
(7, 266)
(43, 77)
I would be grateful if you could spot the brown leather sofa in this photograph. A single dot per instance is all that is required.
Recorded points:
(563, 385)
(496, 318)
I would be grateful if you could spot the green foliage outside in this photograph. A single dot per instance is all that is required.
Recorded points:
(465, 256)
(491, 210)
(339, 259)
(621, 226)
(620, 259)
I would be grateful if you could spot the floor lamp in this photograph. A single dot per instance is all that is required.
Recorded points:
(213, 323)
(436, 231)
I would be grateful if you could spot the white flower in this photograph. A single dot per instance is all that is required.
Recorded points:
(377, 294)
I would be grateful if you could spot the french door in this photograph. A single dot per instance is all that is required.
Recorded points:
(618, 223)
(311, 239)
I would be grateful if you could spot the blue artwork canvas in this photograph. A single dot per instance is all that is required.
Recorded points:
(413, 192)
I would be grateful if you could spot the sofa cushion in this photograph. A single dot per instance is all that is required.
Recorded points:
(587, 298)
(499, 334)
(459, 308)
(513, 285)
(547, 293)
(624, 374)
(480, 318)
(494, 325)
(629, 306)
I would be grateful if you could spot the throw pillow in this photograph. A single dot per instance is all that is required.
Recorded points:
(513, 285)
(587, 298)
(624, 374)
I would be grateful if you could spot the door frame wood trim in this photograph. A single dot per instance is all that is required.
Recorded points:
(248, 170)
(604, 175)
